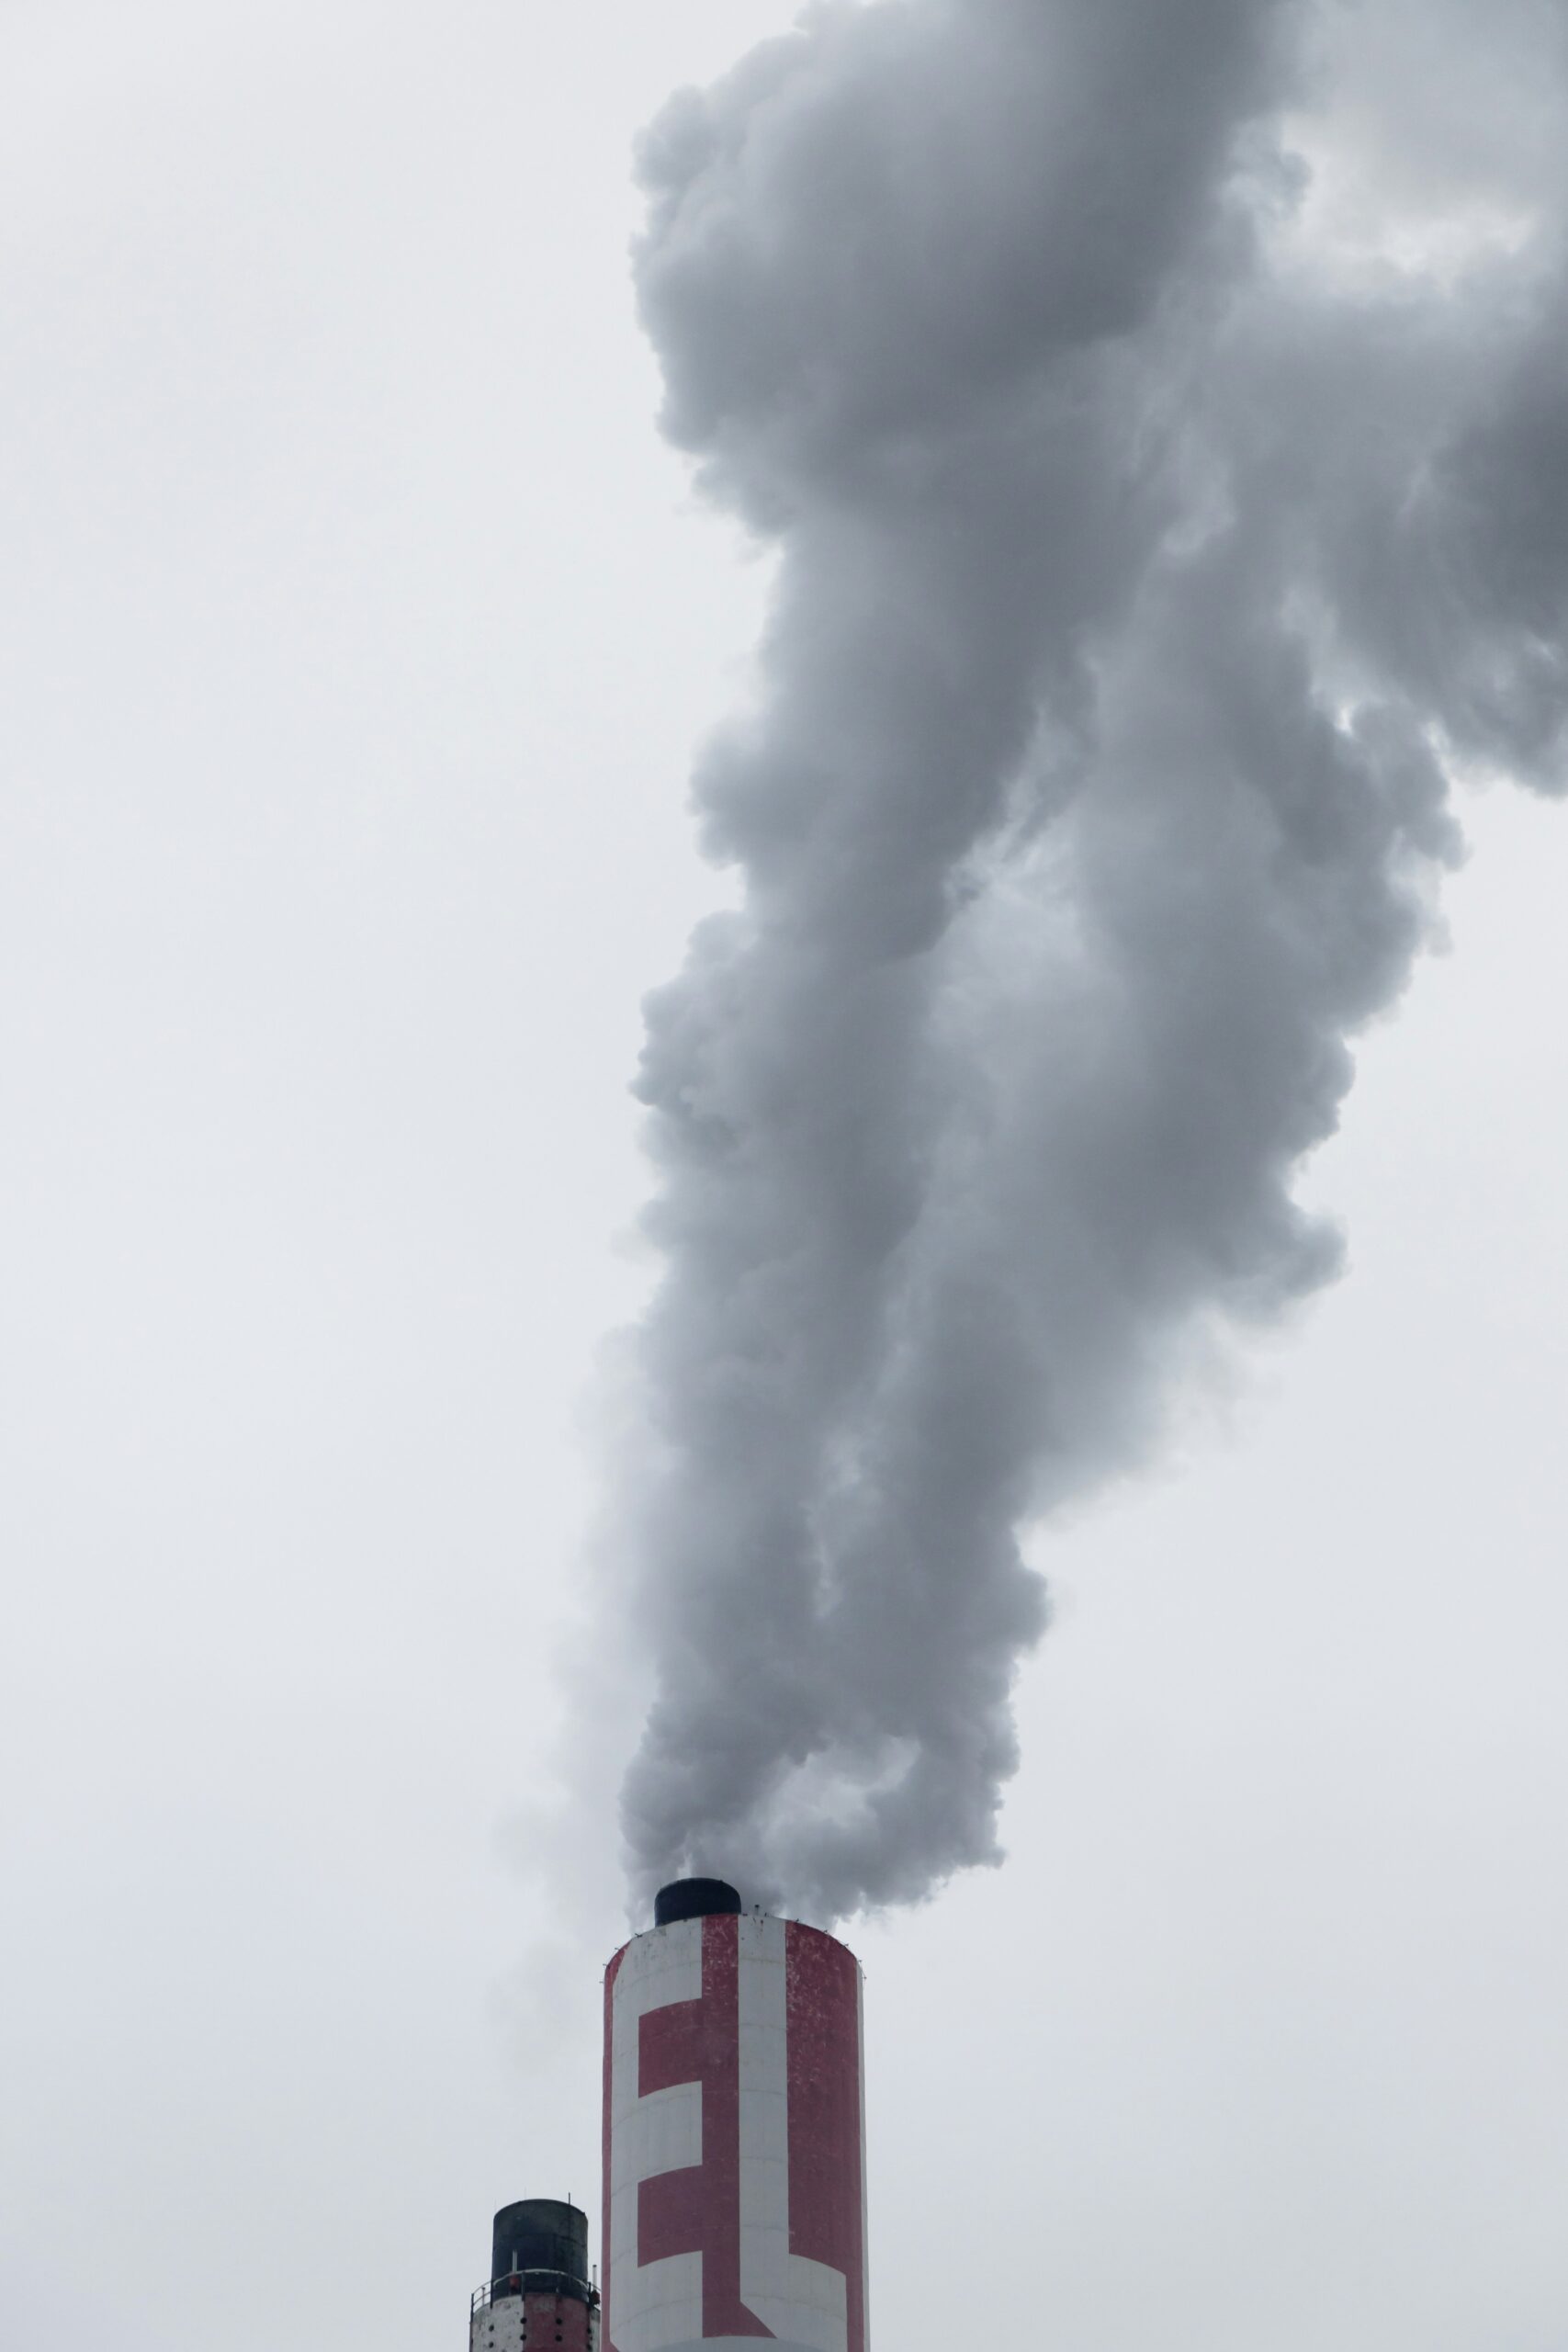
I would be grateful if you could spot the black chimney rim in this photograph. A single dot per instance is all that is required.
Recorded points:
(545, 2236)
(694, 1898)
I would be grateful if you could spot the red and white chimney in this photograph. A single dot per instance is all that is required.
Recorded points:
(539, 2296)
(734, 2134)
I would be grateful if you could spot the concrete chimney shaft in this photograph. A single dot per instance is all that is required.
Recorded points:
(734, 2134)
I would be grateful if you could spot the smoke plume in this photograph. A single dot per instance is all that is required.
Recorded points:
(1157, 411)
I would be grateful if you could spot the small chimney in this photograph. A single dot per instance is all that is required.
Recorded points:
(539, 2292)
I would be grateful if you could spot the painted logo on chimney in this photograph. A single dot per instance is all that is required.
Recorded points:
(734, 2176)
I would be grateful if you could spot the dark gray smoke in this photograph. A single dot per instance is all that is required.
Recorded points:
(1157, 409)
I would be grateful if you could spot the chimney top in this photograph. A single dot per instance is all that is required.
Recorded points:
(692, 1898)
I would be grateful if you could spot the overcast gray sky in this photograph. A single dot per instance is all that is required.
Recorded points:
(356, 629)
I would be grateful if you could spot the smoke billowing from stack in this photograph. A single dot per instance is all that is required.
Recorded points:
(1153, 549)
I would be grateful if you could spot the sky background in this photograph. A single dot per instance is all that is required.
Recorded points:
(355, 629)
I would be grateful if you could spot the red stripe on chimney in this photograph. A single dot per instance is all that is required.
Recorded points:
(826, 2192)
(697, 2210)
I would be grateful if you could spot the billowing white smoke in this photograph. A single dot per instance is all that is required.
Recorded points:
(1162, 519)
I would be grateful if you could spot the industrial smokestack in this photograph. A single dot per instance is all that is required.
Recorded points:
(734, 2134)
(540, 2290)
